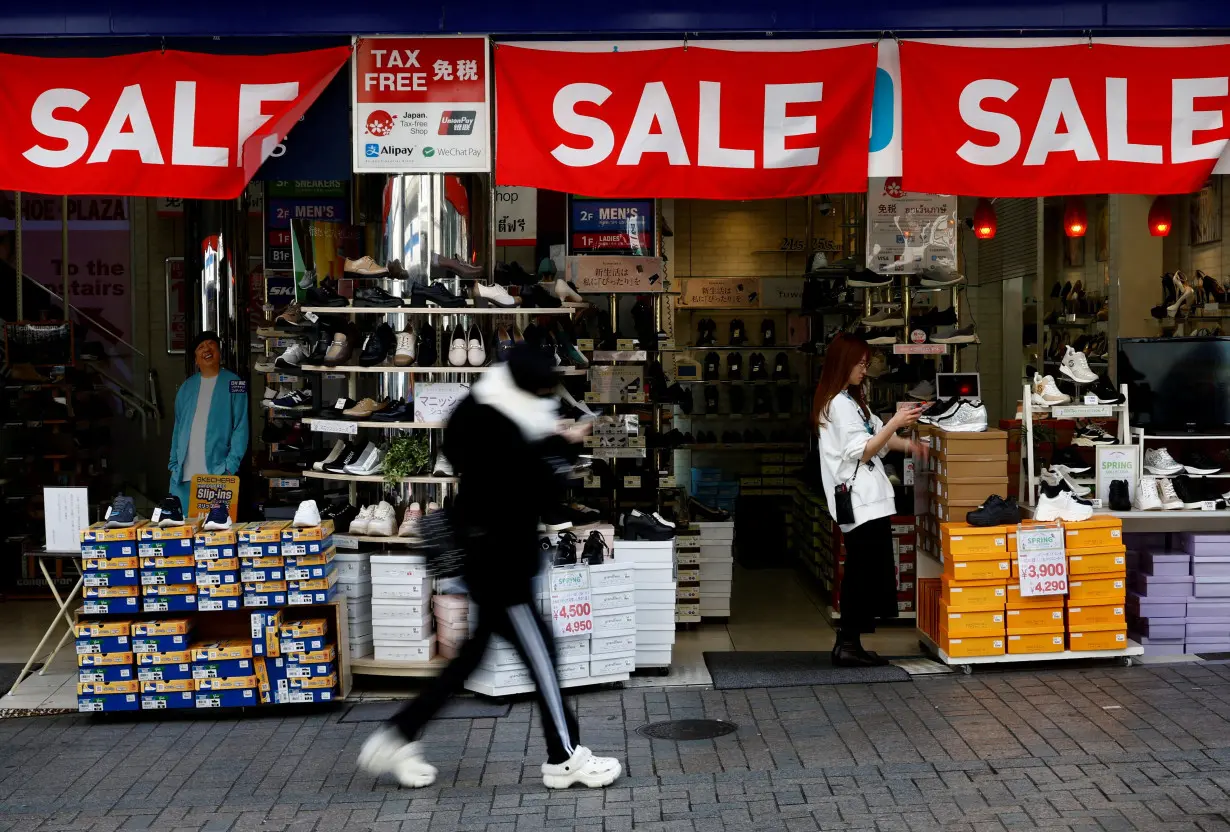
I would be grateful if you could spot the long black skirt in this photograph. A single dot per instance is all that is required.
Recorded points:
(869, 584)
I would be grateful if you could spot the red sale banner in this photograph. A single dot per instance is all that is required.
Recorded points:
(170, 124)
(685, 121)
(1037, 120)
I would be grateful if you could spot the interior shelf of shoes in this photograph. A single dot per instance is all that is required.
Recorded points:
(384, 368)
(367, 423)
(567, 309)
(326, 475)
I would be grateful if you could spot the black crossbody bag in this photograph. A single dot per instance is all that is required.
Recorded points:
(843, 495)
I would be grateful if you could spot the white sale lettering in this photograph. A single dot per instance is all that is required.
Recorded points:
(395, 81)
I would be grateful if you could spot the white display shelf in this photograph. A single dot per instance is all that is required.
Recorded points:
(386, 369)
(328, 475)
(384, 667)
(967, 663)
(1184, 520)
(567, 309)
(373, 538)
(363, 423)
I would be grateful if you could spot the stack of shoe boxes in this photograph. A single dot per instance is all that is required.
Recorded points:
(354, 580)
(653, 565)
(112, 582)
(401, 609)
(687, 574)
(1158, 601)
(225, 674)
(612, 648)
(261, 565)
(974, 596)
(310, 661)
(168, 568)
(105, 679)
(1208, 612)
(1035, 623)
(963, 470)
(164, 665)
(452, 614)
(1097, 584)
(572, 650)
(311, 575)
(717, 540)
(218, 575)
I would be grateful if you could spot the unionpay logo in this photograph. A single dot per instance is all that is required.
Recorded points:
(380, 123)
(457, 122)
(371, 151)
(429, 152)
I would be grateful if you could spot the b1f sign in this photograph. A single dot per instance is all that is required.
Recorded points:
(421, 104)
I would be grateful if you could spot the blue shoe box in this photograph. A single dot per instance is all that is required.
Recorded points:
(107, 702)
(264, 599)
(306, 547)
(110, 606)
(110, 549)
(161, 644)
(264, 627)
(108, 673)
(299, 670)
(112, 577)
(222, 669)
(165, 548)
(309, 644)
(105, 644)
(316, 596)
(165, 672)
(206, 604)
(169, 603)
(168, 577)
(218, 552)
(260, 576)
(263, 549)
(228, 698)
(296, 697)
(207, 578)
(167, 701)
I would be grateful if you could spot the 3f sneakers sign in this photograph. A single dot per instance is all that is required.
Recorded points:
(164, 124)
(421, 105)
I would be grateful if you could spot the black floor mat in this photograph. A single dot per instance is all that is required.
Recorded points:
(737, 670)
(461, 708)
(1214, 657)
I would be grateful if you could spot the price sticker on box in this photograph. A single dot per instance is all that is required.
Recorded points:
(572, 613)
(1042, 561)
(632, 482)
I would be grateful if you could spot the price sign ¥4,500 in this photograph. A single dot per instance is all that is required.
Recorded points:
(1041, 561)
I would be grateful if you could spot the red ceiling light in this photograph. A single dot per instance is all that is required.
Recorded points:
(984, 220)
(1075, 218)
(1160, 220)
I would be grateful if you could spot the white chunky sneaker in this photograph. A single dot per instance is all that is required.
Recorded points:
(388, 752)
(584, 768)
(1147, 498)
(362, 521)
(969, 417)
(383, 522)
(1160, 462)
(1047, 393)
(307, 515)
(1075, 366)
(1061, 507)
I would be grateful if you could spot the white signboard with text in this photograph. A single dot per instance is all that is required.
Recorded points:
(908, 232)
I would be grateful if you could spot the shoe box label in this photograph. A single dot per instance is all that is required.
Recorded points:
(108, 564)
(298, 697)
(312, 533)
(110, 673)
(319, 559)
(617, 599)
(169, 603)
(167, 701)
(110, 551)
(218, 604)
(160, 644)
(260, 550)
(179, 577)
(103, 659)
(611, 576)
(166, 533)
(104, 644)
(96, 703)
(266, 599)
(222, 669)
(169, 562)
(325, 655)
(313, 644)
(266, 575)
(227, 683)
(204, 554)
(99, 533)
(328, 682)
(612, 666)
(300, 670)
(311, 573)
(310, 597)
(233, 648)
(267, 562)
(174, 657)
(214, 539)
(102, 629)
(164, 548)
(218, 579)
(167, 685)
(165, 673)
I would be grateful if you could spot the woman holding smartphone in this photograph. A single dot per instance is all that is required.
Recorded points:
(853, 442)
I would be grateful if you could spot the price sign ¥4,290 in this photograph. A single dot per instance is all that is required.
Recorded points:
(1041, 561)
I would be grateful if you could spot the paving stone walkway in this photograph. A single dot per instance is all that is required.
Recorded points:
(1103, 749)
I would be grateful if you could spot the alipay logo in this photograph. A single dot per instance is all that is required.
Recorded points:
(371, 150)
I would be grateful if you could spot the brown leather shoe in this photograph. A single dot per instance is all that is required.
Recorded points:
(365, 408)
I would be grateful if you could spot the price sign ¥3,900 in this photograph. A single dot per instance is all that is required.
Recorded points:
(1041, 561)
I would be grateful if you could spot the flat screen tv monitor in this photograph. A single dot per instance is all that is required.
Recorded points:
(1177, 385)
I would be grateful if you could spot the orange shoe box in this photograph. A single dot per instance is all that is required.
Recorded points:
(1035, 643)
(1034, 620)
(1016, 601)
(1094, 533)
(971, 624)
(973, 595)
(1097, 640)
(1082, 562)
(1098, 617)
(960, 648)
(1091, 590)
(974, 542)
(976, 570)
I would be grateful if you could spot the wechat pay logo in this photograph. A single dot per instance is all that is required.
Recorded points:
(429, 152)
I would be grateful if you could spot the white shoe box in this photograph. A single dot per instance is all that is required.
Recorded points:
(453, 633)
(572, 649)
(657, 637)
(451, 608)
(400, 610)
(604, 600)
(611, 575)
(687, 592)
(719, 552)
(570, 671)
(716, 570)
(653, 658)
(645, 552)
(613, 665)
(401, 568)
(353, 566)
(362, 648)
(714, 589)
(406, 651)
(615, 623)
(355, 591)
(655, 577)
(663, 596)
(687, 574)
(655, 617)
(715, 609)
(385, 588)
(716, 530)
(601, 647)
(500, 682)
(687, 613)
(401, 631)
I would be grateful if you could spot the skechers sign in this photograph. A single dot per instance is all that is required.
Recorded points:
(408, 91)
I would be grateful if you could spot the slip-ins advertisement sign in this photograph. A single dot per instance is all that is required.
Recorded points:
(421, 105)
(171, 123)
(726, 120)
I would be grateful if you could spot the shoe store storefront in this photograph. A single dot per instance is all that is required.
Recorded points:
(232, 399)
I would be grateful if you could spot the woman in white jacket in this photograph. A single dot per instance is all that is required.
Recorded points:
(853, 440)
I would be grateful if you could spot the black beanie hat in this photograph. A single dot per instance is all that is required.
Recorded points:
(207, 335)
(532, 370)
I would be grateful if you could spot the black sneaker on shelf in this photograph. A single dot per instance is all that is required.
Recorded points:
(781, 367)
(759, 371)
(595, 549)
(738, 333)
(438, 294)
(325, 295)
(397, 411)
(1106, 392)
(711, 399)
(379, 345)
(680, 395)
(638, 526)
(995, 511)
(1070, 457)
(1200, 464)
(566, 549)
(1119, 499)
(768, 333)
(1189, 491)
(713, 364)
(734, 366)
(376, 297)
(349, 457)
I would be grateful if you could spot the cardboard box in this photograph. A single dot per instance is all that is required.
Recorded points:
(305, 670)
(106, 564)
(1016, 601)
(168, 562)
(105, 644)
(1022, 643)
(96, 703)
(956, 490)
(959, 648)
(1097, 640)
(311, 584)
(1036, 619)
(976, 570)
(205, 554)
(314, 644)
(990, 442)
(1092, 590)
(112, 550)
(216, 538)
(1102, 562)
(974, 542)
(167, 685)
(166, 673)
(101, 629)
(96, 592)
(164, 548)
(312, 573)
(1098, 532)
(290, 534)
(150, 532)
(169, 603)
(105, 688)
(263, 531)
(968, 466)
(220, 591)
(264, 587)
(223, 669)
(228, 682)
(229, 698)
(328, 682)
(304, 627)
(971, 624)
(309, 559)
(160, 644)
(311, 597)
(264, 628)
(112, 577)
(266, 599)
(209, 580)
(218, 565)
(300, 697)
(233, 648)
(266, 574)
(1097, 617)
(170, 589)
(103, 659)
(206, 604)
(170, 577)
(99, 533)
(109, 673)
(328, 654)
(151, 659)
(973, 595)
(267, 562)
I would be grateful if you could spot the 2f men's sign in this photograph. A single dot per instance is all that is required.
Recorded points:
(151, 124)
(1035, 120)
(672, 121)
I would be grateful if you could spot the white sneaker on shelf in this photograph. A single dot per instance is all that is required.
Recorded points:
(1063, 506)
(1170, 499)
(1091, 435)
(265, 365)
(433, 507)
(1147, 497)
(442, 468)
(388, 752)
(295, 355)
(969, 417)
(307, 515)
(1057, 474)
(1160, 462)
(1047, 393)
(414, 513)
(1075, 366)
(584, 768)
(369, 463)
(924, 391)
(360, 523)
(383, 522)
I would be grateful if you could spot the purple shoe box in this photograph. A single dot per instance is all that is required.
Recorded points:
(1211, 587)
(1221, 645)
(1160, 629)
(1162, 563)
(1159, 647)
(1142, 607)
(1163, 586)
(1201, 629)
(1207, 608)
(1205, 544)
(1210, 567)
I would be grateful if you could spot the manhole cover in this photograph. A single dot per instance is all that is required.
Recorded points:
(687, 729)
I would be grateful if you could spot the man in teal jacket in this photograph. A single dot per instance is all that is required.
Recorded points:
(211, 420)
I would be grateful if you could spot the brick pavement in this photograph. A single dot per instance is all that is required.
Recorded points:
(1103, 749)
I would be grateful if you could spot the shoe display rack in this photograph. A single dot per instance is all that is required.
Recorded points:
(1194, 306)
(1076, 322)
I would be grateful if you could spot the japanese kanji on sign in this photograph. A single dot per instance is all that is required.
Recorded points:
(421, 104)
